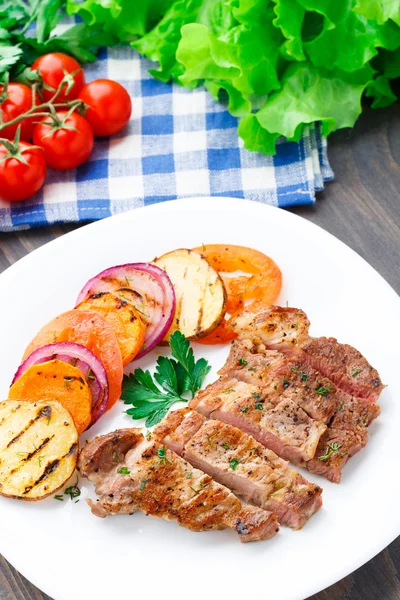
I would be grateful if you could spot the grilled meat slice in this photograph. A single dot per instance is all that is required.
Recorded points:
(131, 473)
(353, 413)
(345, 366)
(276, 327)
(238, 461)
(315, 394)
(288, 376)
(249, 363)
(280, 425)
(99, 461)
(335, 448)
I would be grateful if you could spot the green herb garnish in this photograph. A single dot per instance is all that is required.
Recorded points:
(304, 376)
(161, 453)
(259, 406)
(73, 491)
(226, 446)
(233, 463)
(178, 377)
(356, 372)
(323, 390)
(330, 449)
(244, 409)
(123, 471)
(243, 361)
(143, 484)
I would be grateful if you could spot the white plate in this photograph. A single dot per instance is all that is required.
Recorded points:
(67, 552)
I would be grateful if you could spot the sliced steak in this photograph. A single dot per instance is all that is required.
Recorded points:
(345, 366)
(288, 376)
(131, 473)
(335, 448)
(250, 363)
(238, 461)
(353, 413)
(280, 425)
(276, 327)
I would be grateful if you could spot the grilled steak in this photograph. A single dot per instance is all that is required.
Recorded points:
(353, 413)
(131, 473)
(250, 363)
(276, 327)
(345, 366)
(280, 425)
(335, 448)
(288, 376)
(238, 461)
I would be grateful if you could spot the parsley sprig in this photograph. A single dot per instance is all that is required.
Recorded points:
(179, 378)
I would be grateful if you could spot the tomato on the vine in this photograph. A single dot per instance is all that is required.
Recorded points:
(52, 68)
(16, 99)
(22, 170)
(109, 106)
(67, 139)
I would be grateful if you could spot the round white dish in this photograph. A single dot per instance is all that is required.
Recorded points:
(67, 552)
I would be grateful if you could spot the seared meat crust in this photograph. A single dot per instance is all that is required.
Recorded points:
(345, 366)
(131, 473)
(238, 461)
(274, 326)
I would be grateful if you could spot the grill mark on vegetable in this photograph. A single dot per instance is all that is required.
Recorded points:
(131, 291)
(50, 468)
(44, 412)
(30, 455)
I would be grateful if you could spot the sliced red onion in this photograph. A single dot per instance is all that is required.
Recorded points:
(81, 358)
(148, 288)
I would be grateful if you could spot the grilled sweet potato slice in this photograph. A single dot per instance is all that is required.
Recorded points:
(56, 380)
(91, 330)
(124, 320)
(38, 448)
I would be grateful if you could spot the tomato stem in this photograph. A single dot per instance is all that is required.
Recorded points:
(39, 110)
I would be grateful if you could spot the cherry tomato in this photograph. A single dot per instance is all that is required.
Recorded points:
(109, 104)
(18, 180)
(67, 142)
(17, 101)
(52, 69)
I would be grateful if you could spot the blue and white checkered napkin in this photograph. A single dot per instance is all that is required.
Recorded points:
(178, 143)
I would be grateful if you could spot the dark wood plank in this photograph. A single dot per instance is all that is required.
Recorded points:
(361, 208)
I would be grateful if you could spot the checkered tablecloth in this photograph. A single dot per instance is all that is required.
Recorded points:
(178, 144)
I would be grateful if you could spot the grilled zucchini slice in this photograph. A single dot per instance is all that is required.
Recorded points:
(38, 448)
(200, 293)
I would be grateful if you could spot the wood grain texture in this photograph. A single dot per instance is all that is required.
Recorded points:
(362, 209)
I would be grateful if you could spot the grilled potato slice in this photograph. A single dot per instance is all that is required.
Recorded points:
(200, 293)
(38, 448)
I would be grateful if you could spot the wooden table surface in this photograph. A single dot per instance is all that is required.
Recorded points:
(361, 208)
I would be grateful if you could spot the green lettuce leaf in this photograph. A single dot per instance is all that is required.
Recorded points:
(160, 44)
(379, 10)
(307, 95)
(380, 91)
(124, 19)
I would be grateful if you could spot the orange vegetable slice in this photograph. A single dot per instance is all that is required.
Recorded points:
(56, 380)
(90, 329)
(124, 320)
(264, 282)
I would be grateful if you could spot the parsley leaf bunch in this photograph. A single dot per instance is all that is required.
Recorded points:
(178, 379)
